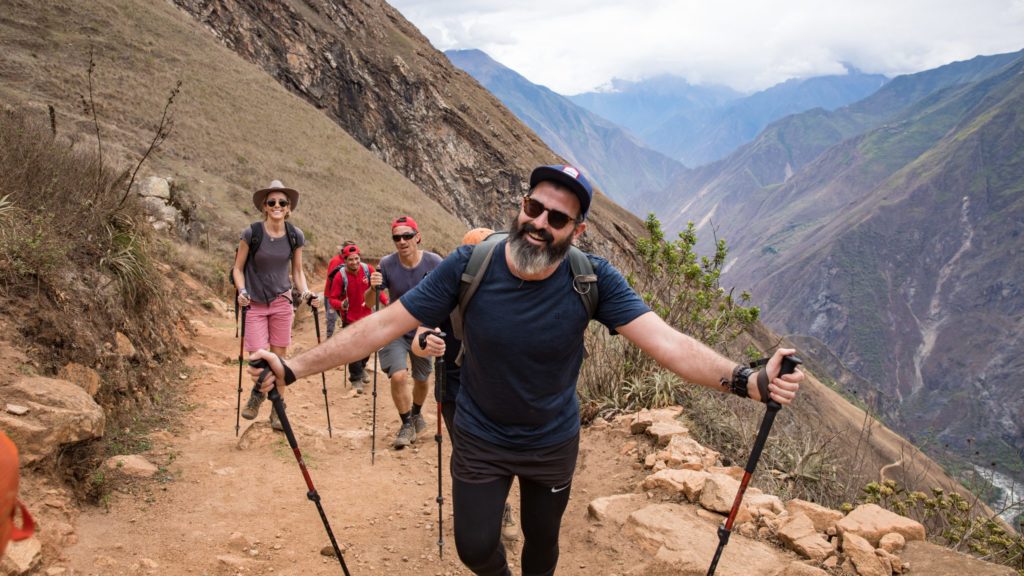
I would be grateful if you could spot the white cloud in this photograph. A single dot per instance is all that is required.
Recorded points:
(576, 45)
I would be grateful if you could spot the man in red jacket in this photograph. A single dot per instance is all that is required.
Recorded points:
(350, 294)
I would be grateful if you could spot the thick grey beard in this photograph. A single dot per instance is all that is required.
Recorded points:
(532, 260)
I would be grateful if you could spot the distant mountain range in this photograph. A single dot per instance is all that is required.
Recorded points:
(891, 231)
(616, 162)
(700, 124)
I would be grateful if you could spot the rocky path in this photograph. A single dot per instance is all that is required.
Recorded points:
(227, 505)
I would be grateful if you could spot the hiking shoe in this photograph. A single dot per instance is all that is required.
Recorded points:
(357, 385)
(366, 379)
(252, 407)
(418, 423)
(275, 422)
(509, 529)
(406, 435)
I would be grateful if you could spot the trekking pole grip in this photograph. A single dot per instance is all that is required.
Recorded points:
(265, 366)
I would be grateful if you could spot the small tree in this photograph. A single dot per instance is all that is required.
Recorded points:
(681, 287)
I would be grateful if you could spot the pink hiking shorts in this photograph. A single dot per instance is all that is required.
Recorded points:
(269, 324)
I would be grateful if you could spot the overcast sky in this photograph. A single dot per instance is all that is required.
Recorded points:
(574, 46)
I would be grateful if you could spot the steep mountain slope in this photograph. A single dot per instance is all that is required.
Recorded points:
(619, 164)
(898, 249)
(366, 67)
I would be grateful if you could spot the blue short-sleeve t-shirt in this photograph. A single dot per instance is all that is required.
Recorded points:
(523, 344)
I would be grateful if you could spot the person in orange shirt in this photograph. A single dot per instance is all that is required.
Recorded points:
(9, 504)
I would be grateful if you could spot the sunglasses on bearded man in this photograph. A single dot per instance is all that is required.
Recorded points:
(534, 208)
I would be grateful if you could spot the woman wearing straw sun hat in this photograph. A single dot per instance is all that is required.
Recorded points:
(264, 278)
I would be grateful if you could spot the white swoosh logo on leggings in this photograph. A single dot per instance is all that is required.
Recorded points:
(557, 490)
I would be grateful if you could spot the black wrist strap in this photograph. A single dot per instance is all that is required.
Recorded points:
(289, 376)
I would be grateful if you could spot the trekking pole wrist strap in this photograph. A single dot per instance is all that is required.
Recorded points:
(289, 376)
(762, 379)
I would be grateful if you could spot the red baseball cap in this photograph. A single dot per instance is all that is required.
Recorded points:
(349, 250)
(405, 221)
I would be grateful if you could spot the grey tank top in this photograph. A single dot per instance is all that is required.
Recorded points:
(268, 274)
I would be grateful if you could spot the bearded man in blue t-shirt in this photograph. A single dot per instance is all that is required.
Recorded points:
(517, 414)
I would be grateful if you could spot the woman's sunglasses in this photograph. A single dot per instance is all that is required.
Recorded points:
(534, 208)
(273, 202)
(407, 236)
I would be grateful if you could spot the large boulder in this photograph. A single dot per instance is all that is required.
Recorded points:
(59, 413)
(871, 522)
(681, 538)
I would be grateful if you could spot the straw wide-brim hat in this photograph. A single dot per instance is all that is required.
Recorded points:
(260, 196)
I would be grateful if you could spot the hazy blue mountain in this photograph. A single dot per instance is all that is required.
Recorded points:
(697, 125)
(616, 162)
(891, 231)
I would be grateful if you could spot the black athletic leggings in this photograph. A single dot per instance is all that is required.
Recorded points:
(478, 511)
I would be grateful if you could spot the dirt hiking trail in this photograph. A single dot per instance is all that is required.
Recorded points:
(236, 506)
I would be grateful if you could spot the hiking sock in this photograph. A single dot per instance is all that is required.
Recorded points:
(416, 408)
(406, 417)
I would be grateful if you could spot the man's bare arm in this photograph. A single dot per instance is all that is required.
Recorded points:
(698, 363)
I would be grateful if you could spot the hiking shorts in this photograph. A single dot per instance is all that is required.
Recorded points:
(269, 325)
(393, 359)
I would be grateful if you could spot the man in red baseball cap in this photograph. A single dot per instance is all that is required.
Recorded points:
(400, 272)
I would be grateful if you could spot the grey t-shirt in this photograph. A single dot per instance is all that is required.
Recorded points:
(398, 279)
(268, 273)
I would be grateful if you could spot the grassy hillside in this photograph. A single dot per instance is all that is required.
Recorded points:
(235, 128)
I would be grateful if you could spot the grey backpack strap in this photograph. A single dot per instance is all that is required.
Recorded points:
(474, 272)
(584, 281)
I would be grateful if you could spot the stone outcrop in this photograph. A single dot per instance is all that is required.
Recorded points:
(681, 538)
(59, 413)
(872, 522)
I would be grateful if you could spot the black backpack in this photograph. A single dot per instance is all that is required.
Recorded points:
(584, 281)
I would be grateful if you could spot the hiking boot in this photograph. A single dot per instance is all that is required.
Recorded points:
(357, 385)
(418, 423)
(366, 379)
(275, 422)
(406, 435)
(509, 529)
(252, 407)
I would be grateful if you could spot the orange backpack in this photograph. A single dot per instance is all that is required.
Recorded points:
(9, 503)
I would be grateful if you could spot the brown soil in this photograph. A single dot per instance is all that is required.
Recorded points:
(384, 515)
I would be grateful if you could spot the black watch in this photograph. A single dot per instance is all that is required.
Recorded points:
(740, 379)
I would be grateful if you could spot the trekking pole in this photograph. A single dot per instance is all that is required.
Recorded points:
(323, 377)
(241, 349)
(439, 381)
(373, 433)
(789, 364)
(312, 494)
